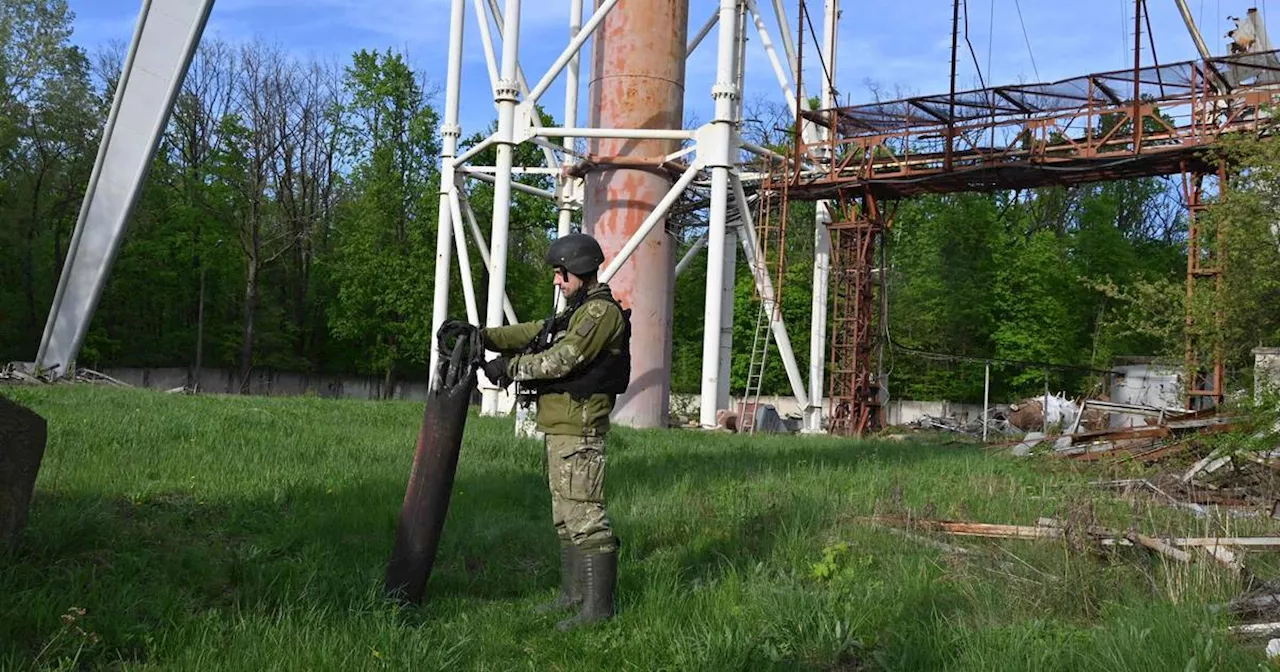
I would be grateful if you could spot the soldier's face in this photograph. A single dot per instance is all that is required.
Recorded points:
(568, 283)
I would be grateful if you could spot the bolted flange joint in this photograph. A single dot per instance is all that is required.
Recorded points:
(450, 130)
(506, 90)
(724, 90)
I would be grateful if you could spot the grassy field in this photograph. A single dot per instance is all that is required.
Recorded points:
(252, 533)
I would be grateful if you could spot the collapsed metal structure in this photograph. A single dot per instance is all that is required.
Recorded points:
(626, 169)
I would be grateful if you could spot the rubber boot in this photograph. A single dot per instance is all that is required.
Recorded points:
(570, 581)
(599, 574)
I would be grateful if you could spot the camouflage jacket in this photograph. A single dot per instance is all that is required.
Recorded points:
(596, 326)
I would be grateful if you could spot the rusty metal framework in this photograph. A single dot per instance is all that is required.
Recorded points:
(1206, 260)
(854, 384)
(1074, 131)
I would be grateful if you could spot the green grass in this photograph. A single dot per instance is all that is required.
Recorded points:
(252, 533)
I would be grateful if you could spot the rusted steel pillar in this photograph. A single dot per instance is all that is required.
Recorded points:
(637, 81)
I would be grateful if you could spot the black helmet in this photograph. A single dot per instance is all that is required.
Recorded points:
(577, 253)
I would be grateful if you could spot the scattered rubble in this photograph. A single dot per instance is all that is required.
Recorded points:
(1214, 462)
(12, 373)
(1196, 466)
(997, 423)
(1217, 549)
(1029, 414)
(16, 372)
(1228, 552)
(1165, 432)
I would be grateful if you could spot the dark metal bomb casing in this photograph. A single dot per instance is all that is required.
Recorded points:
(435, 462)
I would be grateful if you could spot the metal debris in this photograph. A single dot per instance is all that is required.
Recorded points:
(997, 423)
(23, 372)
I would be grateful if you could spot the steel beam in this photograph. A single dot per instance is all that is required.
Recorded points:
(164, 41)
(483, 247)
(822, 236)
(449, 132)
(506, 95)
(720, 150)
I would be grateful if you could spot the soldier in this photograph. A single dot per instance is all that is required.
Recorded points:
(575, 363)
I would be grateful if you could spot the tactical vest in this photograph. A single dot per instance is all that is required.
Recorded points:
(609, 373)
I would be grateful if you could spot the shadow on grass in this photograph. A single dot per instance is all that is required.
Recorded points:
(138, 566)
(143, 567)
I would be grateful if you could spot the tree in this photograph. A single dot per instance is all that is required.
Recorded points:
(47, 127)
(1245, 214)
(385, 237)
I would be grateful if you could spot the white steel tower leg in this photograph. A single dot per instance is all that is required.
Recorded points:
(570, 120)
(822, 239)
(164, 42)
(720, 159)
(818, 317)
(449, 132)
(565, 192)
(731, 233)
(726, 315)
(506, 95)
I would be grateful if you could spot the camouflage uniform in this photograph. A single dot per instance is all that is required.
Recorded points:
(574, 427)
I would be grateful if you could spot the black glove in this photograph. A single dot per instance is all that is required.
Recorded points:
(496, 371)
(450, 327)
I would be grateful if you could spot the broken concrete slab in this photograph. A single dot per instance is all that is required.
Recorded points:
(23, 435)
(1029, 441)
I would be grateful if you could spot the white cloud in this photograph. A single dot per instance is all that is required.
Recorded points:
(902, 45)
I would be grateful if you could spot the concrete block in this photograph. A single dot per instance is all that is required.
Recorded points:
(1266, 370)
(23, 434)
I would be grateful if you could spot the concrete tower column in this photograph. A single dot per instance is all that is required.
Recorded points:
(637, 81)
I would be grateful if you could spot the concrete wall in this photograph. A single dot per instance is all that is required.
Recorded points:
(1266, 370)
(271, 383)
(277, 383)
(899, 411)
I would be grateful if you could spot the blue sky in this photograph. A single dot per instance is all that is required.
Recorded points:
(901, 45)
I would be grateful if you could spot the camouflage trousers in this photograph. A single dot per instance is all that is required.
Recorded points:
(575, 472)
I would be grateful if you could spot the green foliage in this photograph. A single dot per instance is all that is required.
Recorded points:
(383, 257)
(840, 565)
(1054, 279)
(48, 125)
(1245, 219)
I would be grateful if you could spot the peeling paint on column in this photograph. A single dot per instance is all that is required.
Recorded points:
(637, 81)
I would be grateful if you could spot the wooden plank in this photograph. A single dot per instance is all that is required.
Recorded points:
(1250, 542)
(973, 529)
(1159, 547)
(1223, 556)
(1264, 629)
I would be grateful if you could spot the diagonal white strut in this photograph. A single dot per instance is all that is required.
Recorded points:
(164, 41)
